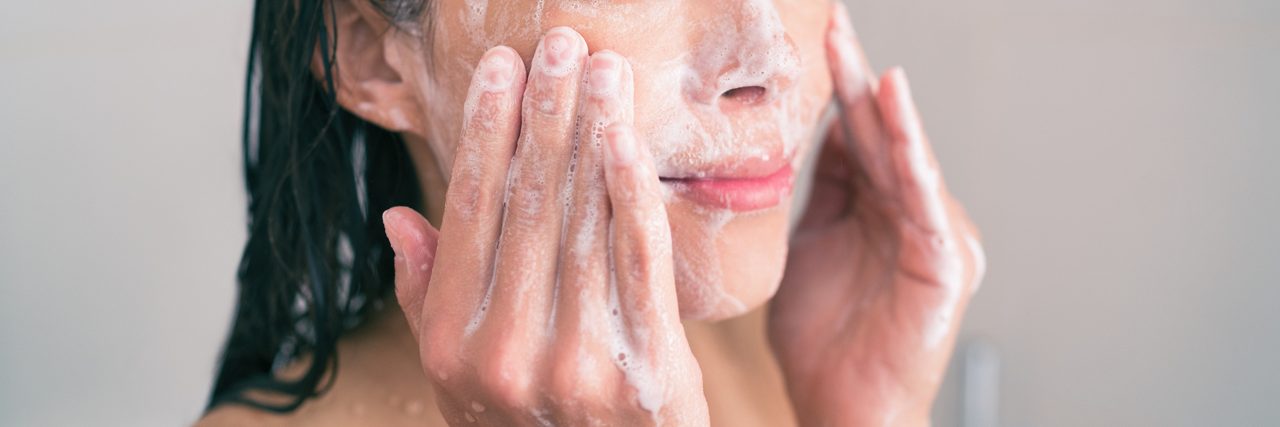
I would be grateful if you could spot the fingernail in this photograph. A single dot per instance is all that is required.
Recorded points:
(622, 146)
(559, 51)
(842, 19)
(604, 74)
(907, 106)
(391, 222)
(902, 90)
(498, 68)
(904, 87)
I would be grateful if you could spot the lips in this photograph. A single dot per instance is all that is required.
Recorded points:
(740, 193)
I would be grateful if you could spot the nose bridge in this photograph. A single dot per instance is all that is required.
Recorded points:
(743, 44)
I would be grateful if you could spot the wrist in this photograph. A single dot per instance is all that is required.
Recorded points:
(860, 416)
(865, 405)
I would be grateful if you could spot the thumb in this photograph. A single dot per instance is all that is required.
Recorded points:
(414, 241)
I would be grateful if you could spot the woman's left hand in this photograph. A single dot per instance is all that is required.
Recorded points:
(883, 265)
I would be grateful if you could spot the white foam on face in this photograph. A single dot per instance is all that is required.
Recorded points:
(588, 8)
(687, 129)
(749, 48)
(537, 13)
(697, 267)
(685, 124)
(746, 46)
(474, 17)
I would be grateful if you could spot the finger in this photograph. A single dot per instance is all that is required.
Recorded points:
(931, 254)
(641, 238)
(414, 241)
(534, 217)
(919, 181)
(853, 77)
(831, 195)
(473, 204)
(855, 87)
(583, 297)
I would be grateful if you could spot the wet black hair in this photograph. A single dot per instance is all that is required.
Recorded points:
(317, 260)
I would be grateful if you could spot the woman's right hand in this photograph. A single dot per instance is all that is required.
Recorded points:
(547, 296)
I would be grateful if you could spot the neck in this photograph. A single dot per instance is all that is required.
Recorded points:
(431, 179)
(387, 329)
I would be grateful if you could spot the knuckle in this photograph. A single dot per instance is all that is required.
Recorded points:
(548, 102)
(506, 379)
(468, 200)
(634, 189)
(565, 383)
(933, 257)
(637, 264)
(929, 243)
(643, 251)
(530, 195)
(439, 362)
(530, 198)
(486, 113)
(578, 375)
(624, 188)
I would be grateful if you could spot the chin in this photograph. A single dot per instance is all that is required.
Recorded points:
(727, 263)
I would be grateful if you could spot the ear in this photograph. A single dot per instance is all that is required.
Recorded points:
(371, 73)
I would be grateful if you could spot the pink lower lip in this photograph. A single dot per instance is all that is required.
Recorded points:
(737, 194)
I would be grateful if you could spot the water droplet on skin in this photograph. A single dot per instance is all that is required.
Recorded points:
(476, 406)
(470, 418)
(414, 408)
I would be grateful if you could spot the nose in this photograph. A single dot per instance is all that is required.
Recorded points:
(742, 56)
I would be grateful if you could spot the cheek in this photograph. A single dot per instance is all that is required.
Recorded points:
(444, 97)
(806, 22)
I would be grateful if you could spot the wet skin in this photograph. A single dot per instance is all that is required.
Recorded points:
(568, 254)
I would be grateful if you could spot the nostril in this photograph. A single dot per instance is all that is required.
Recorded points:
(746, 95)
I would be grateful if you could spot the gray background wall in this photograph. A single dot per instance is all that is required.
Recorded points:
(1117, 154)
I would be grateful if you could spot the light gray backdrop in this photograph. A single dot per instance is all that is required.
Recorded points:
(1119, 156)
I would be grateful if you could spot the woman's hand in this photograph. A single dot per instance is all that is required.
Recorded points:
(551, 297)
(882, 266)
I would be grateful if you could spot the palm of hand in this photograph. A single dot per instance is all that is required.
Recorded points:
(882, 265)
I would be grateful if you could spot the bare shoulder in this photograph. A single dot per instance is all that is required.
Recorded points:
(237, 415)
(380, 384)
(332, 410)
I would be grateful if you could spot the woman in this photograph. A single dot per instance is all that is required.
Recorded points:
(600, 172)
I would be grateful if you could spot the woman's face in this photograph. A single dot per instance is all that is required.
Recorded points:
(728, 97)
